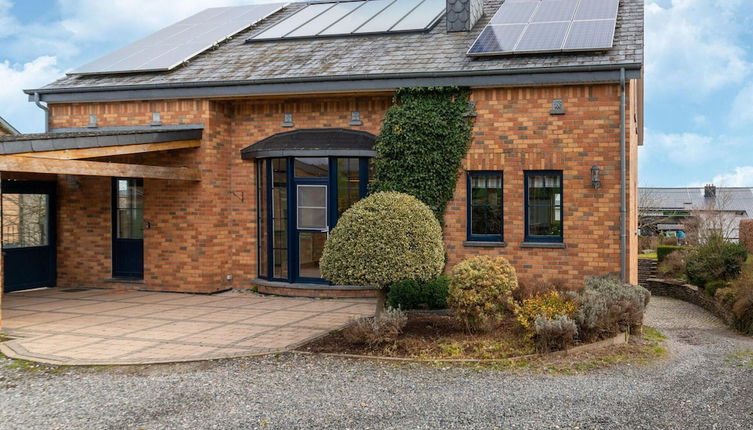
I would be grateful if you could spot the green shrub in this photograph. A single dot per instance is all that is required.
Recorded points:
(550, 306)
(726, 296)
(481, 290)
(425, 135)
(662, 251)
(673, 266)
(554, 334)
(410, 294)
(712, 286)
(607, 307)
(742, 306)
(716, 260)
(383, 239)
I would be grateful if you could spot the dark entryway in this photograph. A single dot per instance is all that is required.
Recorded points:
(28, 235)
(128, 228)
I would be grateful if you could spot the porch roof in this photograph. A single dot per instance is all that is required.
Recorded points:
(97, 138)
(327, 142)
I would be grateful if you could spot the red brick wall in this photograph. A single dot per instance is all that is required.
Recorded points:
(203, 231)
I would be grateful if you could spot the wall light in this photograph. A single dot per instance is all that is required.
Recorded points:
(596, 177)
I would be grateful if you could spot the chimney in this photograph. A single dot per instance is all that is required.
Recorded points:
(463, 14)
(709, 191)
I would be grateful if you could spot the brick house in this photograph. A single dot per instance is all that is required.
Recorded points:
(227, 170)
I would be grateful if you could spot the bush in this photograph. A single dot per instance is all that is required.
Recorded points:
(412, 294)
(746, 234)
(530, 288)
(742, 306)
(481, 290)
(425, 135)
(712, 286)
(550, 306)
(555, 334)
(673, 266)
(726, 296)
(716, 260)
(607, 307)
(383, 239)
(662, 251)
(376, 331)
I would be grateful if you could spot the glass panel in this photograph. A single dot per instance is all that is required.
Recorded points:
(545, 205)
(130, 209)
(294, 21)
(25, 222)
(486, 205)
(348, 183)
(312, 207)
(313, 27)
(280, 217)
(312, 167)
(310, 245)
(262, 208)
(422, 16)
(389, 17)
(357, 18)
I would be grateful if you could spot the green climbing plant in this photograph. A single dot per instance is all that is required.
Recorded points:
(424, 137)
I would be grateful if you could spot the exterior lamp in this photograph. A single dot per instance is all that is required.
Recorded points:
(595, 177)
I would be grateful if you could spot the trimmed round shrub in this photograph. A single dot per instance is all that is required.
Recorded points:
(410, 294)
(481, 290)
(716, 260)
(385, 238)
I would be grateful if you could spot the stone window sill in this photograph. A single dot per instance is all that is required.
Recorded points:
(547, 245)
(480, 244)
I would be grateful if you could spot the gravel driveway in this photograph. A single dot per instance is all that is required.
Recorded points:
(698, 386)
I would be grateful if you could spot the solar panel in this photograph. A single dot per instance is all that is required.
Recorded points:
(356, 17)
(173, 45)
(548, 26)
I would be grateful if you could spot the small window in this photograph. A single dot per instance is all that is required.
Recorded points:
(485, 206)
(544, 215)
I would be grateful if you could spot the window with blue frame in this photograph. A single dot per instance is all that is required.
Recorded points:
(544, 215)
(485, 212)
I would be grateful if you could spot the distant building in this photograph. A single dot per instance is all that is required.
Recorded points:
(694, 210)
(6, 128)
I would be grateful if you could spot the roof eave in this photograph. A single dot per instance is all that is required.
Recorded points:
(341, 83)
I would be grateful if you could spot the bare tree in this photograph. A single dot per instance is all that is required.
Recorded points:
(650, 213)
(714, 217)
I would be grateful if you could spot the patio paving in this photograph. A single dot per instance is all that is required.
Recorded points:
(107, 327)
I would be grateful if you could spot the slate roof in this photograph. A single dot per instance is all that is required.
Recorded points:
(376, 56)
(6, 127)
(737, 199)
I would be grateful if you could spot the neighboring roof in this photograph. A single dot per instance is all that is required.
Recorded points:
(362, 63)
(97, 138)
(320, 142)
(736, 199)
(5, 126)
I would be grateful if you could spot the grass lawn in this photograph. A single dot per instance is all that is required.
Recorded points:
(648, 256)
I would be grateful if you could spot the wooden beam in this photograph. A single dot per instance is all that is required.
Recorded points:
(13, 163)
(109, 151)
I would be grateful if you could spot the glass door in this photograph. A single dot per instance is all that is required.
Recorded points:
(128, 228)
(311, 216)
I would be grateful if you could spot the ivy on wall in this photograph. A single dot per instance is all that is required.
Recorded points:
(424, 137)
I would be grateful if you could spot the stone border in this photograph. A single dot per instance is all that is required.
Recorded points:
(620, 339)
(691, 294)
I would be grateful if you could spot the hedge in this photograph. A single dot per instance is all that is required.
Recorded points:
(663, 250)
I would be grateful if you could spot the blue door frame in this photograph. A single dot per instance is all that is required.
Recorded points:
(32, 266)
(293, 234)
(127, 253)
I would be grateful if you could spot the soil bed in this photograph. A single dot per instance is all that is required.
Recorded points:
(435, 336)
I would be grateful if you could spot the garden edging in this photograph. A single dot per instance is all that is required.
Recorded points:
(692, 294)
(620, 339)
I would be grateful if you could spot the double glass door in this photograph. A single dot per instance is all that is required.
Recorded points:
(299, 200)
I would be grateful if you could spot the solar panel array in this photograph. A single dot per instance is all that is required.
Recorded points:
(355, 18)
(172, 46)
(529, 26)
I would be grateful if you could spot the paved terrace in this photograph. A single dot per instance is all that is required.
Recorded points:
(90, 326)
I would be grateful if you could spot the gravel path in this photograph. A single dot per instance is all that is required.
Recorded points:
(698, 386)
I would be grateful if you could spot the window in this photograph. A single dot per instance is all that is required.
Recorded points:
(543, 206)
(25, 222)
(485, 206)
(130, 209)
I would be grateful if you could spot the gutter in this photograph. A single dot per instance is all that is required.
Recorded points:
(338, 83)
(623, 182)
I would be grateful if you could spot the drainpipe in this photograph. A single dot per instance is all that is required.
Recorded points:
(46, 110)
(623, 180)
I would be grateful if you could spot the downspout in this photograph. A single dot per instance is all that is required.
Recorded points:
(623, 182)
(46, 110)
